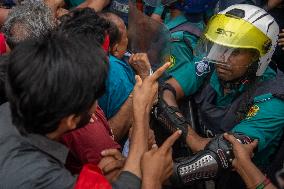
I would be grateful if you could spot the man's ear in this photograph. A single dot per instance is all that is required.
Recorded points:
(71, 122)
(114, 50)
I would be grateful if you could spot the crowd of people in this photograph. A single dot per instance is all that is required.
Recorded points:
(141, 94)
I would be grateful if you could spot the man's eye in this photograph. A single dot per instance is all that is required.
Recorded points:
(236, 52)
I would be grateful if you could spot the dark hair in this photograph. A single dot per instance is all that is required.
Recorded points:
(85, 21)
(54, 77)
(115, 34)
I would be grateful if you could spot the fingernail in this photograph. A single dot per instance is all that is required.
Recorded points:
(180, 132)
(154, 146)
(103, 152)
(225, 134)
(92, 120)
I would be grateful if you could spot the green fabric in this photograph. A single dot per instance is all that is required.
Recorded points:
(265, 124)
(180, 52)
(159, 10)
(187, 78)
(73, 3)
(222, 100)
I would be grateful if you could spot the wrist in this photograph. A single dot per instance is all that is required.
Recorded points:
(243, 166)
(251, 175)
(150, 182)
(195, 142)
(144, 75)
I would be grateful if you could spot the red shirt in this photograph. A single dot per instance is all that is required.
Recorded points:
(2, 44)
(85, 144)
(91, 177)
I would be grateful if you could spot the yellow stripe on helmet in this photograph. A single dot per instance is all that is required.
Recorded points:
(230, 31)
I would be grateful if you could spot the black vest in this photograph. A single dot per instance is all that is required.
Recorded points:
(215, 120)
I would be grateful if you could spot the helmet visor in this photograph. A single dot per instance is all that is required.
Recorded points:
(234, 32)
(230, 57)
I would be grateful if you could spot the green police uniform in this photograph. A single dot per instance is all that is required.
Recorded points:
(264, 121)
(181, 41)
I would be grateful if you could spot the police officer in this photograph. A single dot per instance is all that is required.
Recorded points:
(185, 20)
(234, 90)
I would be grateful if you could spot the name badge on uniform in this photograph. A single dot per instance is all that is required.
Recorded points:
(202, 67)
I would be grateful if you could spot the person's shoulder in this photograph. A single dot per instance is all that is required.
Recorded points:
(24, 166)
(270, 101)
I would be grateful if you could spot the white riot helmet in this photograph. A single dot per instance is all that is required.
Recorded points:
(240, 26)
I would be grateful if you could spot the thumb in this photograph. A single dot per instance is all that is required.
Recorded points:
(254, 144)
(138, 81)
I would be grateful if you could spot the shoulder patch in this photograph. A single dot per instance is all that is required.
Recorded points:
(202, 67)
(252, 111)
(172, 60)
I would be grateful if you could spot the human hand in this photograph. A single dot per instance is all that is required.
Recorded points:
(145, 93)
(281, 39)
(140, 63)
(55, 4)
(157, 164)
(243, 152)
(111, 164)
(61, 12)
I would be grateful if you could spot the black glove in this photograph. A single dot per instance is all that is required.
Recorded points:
(216, 157)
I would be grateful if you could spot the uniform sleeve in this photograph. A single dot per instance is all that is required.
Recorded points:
(183, 69)
(118, 89)
(181, 50)
(265, 122)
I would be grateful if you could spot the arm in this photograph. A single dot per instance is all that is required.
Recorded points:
(122, 120)
(251, 175)
(169, 97)
(143, 98)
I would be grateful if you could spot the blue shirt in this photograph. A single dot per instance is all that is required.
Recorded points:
(119, 85)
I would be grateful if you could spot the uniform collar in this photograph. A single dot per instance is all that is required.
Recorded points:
(114, 59)
(216, 85)
(172, 23)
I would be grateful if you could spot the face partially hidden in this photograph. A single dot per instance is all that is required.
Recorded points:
(236, 65)
(85, 117)
(122, 44)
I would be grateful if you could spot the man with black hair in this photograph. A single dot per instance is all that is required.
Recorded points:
(116, 102)
(52, 85)
(86, 144)
(87, 22)
(47, 99)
